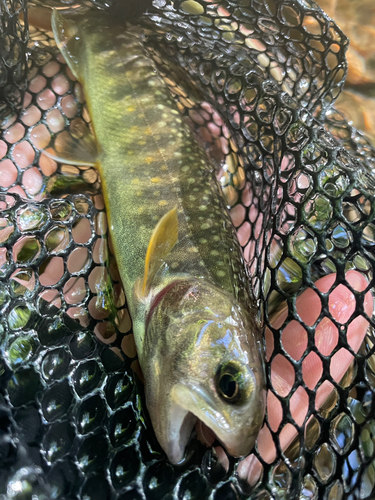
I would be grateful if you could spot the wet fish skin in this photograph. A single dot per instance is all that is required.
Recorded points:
(197, 337)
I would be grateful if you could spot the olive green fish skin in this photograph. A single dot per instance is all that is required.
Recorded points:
(148, 145)
(149, 164)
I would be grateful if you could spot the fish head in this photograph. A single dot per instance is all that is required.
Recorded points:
(205, 363)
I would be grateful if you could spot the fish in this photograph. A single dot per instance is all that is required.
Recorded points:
(148, 480)
(197, 330)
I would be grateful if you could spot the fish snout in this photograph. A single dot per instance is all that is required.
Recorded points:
(235, 427)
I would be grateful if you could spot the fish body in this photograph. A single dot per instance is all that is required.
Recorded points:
(194, 323)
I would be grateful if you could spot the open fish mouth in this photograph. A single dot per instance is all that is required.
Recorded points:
(191, 405)
(181, 426)
(181, 420)
(181, 432)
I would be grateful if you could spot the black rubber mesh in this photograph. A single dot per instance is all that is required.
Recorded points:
(72, 421)
(13, 56)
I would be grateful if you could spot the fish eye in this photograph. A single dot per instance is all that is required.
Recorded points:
(228, 386)
(231, 383)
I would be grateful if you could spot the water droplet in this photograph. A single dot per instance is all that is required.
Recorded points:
(87, 377)
(118, 390)
(158, 481)
(82, 345)
(57, 239)
(93, 452)
(342, 433)
(31, 218)
(124, 467)
(91, 414)
(60, 210)
(19, 317)
(57, 441)
(56, 401)
(26, 250)
(324, 463)
(318, 211)
(122, 426)
(22, 350)
(191, 7)
(303, 245)
(56, 363)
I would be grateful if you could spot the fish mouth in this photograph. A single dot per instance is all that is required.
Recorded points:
(181, 426)
(191, 403)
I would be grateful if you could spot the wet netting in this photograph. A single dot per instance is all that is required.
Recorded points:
(13, 55)
(257, 81)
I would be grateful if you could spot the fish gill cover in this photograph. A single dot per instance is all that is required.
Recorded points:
(259, 79)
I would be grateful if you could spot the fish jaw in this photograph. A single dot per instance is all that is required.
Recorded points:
(178, 432)
(190, 403)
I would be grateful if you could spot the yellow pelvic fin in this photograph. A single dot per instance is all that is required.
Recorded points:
(75, 148)
(163, 239)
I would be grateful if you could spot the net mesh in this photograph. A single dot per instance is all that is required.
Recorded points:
(256, 81)
(13, 56)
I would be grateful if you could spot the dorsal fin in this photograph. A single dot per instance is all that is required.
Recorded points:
(163, 239)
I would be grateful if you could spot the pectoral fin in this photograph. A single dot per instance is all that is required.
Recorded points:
(66, 33)
(163, 239)
(79, 150)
